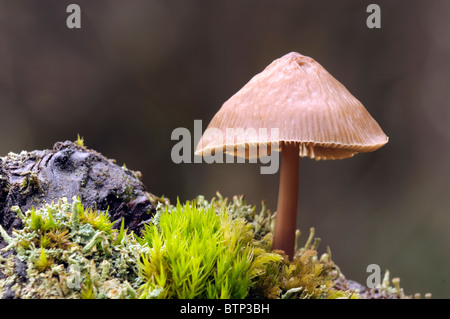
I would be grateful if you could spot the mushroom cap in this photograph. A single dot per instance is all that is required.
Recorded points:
(305, 104)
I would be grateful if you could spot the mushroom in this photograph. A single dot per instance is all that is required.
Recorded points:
(316, 117)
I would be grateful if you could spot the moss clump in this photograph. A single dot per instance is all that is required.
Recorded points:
(196, 252)
(68, 251)
(306, 276)
(200, 249)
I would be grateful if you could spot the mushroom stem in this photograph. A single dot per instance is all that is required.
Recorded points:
(286, 220)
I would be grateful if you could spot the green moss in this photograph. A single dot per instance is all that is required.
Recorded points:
(200, 249)
(196, 252)
(80, 141)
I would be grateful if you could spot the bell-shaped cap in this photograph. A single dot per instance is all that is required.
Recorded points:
(294, 100)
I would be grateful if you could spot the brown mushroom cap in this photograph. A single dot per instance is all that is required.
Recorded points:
(307, 105)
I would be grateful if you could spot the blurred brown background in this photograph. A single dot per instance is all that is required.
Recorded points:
(136, 70)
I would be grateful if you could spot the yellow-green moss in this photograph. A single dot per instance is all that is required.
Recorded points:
(196, 252)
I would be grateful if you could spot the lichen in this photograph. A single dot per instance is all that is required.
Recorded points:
(70, 252)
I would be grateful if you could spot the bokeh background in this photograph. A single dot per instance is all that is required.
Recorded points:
(137, 70)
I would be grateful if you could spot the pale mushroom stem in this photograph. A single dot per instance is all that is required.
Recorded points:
(286, 220)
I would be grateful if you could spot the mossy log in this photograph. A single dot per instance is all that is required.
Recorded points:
(30, 179)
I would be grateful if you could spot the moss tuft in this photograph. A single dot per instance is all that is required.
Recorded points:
(196, 252)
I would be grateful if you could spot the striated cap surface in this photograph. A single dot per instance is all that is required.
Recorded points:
(305, 104)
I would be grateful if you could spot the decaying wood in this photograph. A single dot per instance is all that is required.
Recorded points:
(30, 179)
